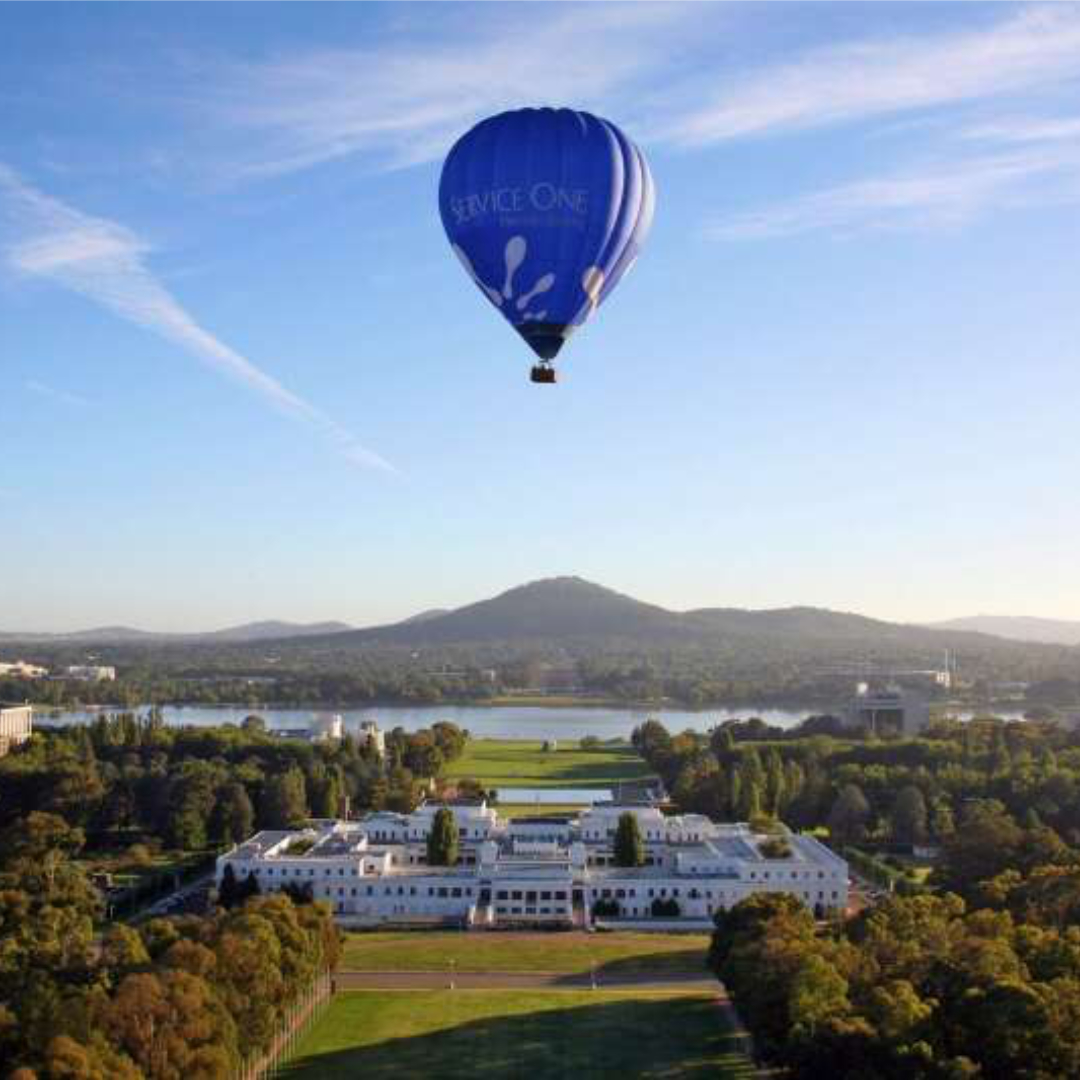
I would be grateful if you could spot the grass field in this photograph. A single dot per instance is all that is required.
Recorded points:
(516, 810)
(613, 954)
(498, 1035)
(522, 763)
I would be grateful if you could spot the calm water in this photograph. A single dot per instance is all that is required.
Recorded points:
(502, 722)
(553, 796)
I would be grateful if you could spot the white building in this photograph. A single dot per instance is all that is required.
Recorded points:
(542, 870)
(90, 673)
(888, 710)
(326, 727)
(20, 669)
(16, 726)
(369, 733)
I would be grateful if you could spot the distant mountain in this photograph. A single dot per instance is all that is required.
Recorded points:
(273, 629)
(555, 608)
(423, 616)
(572, 611)
(1018, 628)
(116, 635)
(126, 635)
(581, 618)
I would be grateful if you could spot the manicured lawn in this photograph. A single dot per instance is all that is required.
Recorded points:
(522, 763)
(516, 810)
(614, 954)
(541, 1035)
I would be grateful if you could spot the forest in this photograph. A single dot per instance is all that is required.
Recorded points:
(125, 778)
(972, 972)
(83, 996)
(169, 998)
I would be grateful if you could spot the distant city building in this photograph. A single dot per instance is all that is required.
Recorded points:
(557, 871)
(16, 726)
(90, 673)
(20, 669)
(369, 733)
(325, 727)
(887, 710)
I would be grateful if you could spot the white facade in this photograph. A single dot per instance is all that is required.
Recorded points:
(20, 669)
(16, 726)
(369, 732)
(90, 673)
(886, 710)
(326, 726)
(536, 870)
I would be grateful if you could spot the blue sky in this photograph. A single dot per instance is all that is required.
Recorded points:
(243, 376)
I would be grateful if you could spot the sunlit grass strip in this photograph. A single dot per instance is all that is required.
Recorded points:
(543, 1035)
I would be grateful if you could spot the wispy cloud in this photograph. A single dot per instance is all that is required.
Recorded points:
(1028, 52)
(106, 262)
(932, 197)
(405, 101)
(1022, 129)
(55, 394)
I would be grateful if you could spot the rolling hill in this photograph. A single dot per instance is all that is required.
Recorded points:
(1018, 628)
(568, 617)
(127, 635)
(579, 613)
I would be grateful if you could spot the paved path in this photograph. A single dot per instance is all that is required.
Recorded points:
(520, 980)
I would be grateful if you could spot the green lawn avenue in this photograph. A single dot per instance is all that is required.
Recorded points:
(613, 954)
(500, 1034)
(524, 763)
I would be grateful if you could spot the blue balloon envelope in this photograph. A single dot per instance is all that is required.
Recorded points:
(546, 209)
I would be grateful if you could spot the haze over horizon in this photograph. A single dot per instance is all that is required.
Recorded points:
(1017, 627)
(244, 378)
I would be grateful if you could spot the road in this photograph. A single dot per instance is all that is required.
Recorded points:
(521, 980)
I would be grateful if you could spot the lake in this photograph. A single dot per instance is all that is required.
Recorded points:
(496, 722)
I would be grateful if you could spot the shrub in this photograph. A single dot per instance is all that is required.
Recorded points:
(139, 855)
(775, 848)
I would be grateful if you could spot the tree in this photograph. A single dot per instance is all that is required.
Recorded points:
(233, 819)
(629, 846)
(850, 814)
(229, 889)
(907, 819)
(254, 724)
(284, 800)
(442, 841)
(172, 1026)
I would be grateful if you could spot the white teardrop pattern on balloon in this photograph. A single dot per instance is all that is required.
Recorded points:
(492, 294)
(514, 255)
(516, 247)
(541, 286)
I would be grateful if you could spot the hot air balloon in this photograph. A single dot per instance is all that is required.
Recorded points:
(546, 209)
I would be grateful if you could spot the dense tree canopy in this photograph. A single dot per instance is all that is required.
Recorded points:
(175, 998)
(196, 788)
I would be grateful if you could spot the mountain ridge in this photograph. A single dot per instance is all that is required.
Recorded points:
(575, 611)
(267, 629)
(1028, 628)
